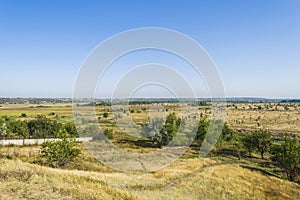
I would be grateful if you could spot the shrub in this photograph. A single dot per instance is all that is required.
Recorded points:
(165, 135)
(109, 134)
(287, 156)
(71, 129)
(59, 153)
(262, 141)
(249, 143)
(202, 129)
(51, 113)
(105, 115)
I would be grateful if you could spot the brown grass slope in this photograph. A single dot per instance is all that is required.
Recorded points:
(184, 179)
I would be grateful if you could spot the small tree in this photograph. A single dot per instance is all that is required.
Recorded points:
(71, 129)
(161, 139)
(202, 130)
(22, 129)
(163, 136)
(287, 155)
(172, 125)
(109, 133)
(105, 115)
(262, 141)
(59, 153)
(249, 143)
(43, 127)
(227, 134)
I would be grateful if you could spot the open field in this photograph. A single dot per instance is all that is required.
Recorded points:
(278, 118)
(32, 110)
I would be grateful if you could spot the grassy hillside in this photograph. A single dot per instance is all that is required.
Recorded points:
(184, 179)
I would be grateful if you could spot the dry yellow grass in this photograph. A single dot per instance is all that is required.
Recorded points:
(184, 179)
(276, 119)
(33, 110)
(272, 116)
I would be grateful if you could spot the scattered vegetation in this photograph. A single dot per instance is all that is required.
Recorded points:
(246, 156)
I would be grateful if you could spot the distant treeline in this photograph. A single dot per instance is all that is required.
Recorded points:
(135, 101)
(144, 102)
(34, 100)
(291, 101)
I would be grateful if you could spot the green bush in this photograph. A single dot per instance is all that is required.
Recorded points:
(262, 141)
(168, 132)
(59, 153)
(287, 156)
(249, 143)
(109, 134)
(105, 115)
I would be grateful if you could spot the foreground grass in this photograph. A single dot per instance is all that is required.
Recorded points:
(184, 179)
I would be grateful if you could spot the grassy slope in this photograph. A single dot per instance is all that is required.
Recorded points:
(184, 179)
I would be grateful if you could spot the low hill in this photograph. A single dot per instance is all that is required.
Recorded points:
(184, 179)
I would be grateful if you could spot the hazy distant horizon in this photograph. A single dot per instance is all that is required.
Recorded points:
(108, 98)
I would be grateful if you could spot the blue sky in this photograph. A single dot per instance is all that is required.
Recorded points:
(255, 44)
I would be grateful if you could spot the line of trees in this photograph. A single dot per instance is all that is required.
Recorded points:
(39, 127)
(54, 153)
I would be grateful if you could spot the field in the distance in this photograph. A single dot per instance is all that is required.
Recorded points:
(278, 118)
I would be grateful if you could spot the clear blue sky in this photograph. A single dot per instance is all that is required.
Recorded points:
(254, 43)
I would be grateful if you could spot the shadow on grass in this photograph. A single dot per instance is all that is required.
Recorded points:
(144, 143)
(261, 170)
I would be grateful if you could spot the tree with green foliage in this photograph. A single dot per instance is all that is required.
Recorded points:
(172, 125)
(22, 129)
(59, 153)
(227, 135)
(237, 146)
(262, 141)
(161, 139)
(287, 156)
(109, 133)
(71, 129)
(169, 130)
(10, 125)
(105, 115)
(249, 143)
(202, 129)
(43, 127)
